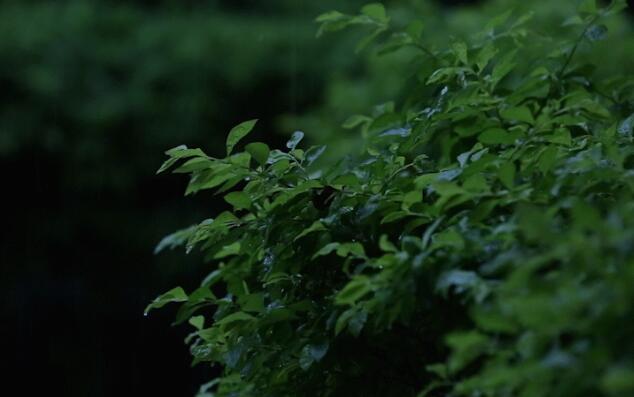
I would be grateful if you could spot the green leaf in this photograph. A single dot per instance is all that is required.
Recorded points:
(411, 198)
(296, 138)
(175, 239)
(356, 289)
(197, 322)
(375, 11)
(238, 132)
(326, 250)
(355, 121)
(618, 380)
(561, 136)
(315, 227)
(615, 7)
(194, 164)
(507, 174)
(547, 159)
(329, 16)
(596, 32)
(498, 20)
(466, 347)
(503, 67)
(313, 154)
(182, 151)
(386, 245)
(496, 136)
(485, 55)
(259, 151)
(228, 250)
(174, 295)
(394, 216)
(343, 250)
(626, 127)
(235, 317)
(354, 318)
(588, 7)
(460, 51)
(415, 29)
(311, 354)
(347, 180)
(167, 164)
(369, 39)
(521, 113)
(239, 200)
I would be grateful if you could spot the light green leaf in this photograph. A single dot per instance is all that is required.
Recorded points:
(356, 289)
(466, 346)
(496, 136)
(326, 249)
(197, 322)
(375, 11)
(239, 200)
(235, 317)
(194, 164)
(386, 245)
(172, 296)
(167, 164)
(182, 151)
(238, 132)
(259, 151)
(460, 50)
(329, 16)
(521, 113)
(228, 250)
(485, 55)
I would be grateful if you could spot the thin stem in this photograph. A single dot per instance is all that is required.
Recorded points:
(574, 48)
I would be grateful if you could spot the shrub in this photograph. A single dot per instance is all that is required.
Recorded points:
(481, 246)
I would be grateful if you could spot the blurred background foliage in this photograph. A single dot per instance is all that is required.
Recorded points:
(92, 94)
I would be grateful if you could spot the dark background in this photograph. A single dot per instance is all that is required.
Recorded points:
(91, 95)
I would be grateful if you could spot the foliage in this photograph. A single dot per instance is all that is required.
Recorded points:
(380, 78)
(480, 246)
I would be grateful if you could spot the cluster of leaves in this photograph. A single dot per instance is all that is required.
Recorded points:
(481, 246)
